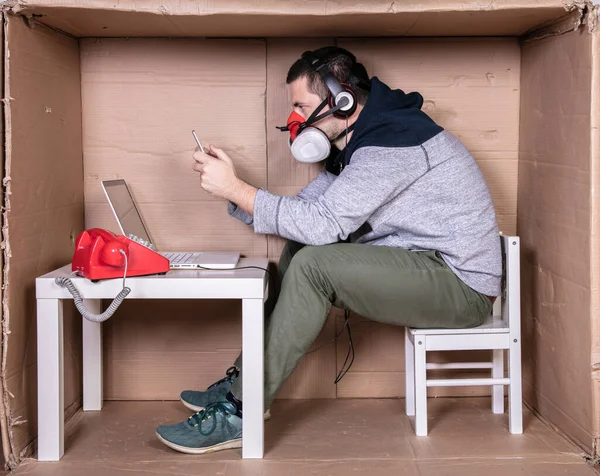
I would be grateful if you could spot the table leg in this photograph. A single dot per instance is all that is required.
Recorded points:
(50, 371)
(92, 358)
(253, 381)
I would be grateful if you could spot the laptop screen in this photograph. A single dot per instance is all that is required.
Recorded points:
(124, 209)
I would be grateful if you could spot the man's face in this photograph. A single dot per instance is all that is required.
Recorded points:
(305, 102)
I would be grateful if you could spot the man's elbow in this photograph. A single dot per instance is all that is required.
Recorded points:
(321, 239)
(315, 232)
(319, 242)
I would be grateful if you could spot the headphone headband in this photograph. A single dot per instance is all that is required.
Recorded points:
(320, 67)
(342, 97)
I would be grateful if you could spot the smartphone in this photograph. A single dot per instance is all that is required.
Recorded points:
(198, 141)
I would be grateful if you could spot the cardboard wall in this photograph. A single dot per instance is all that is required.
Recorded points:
(554, 224)
(5, 453)
(595, 238)
(142, 97)
(44, 214)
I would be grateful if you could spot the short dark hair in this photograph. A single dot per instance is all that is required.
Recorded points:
(342, 65)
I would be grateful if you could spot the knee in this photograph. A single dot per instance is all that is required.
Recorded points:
(309, 266)
(307, 259)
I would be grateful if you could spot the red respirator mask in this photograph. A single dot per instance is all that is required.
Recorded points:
(294, 123)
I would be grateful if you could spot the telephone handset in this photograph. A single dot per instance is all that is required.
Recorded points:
(101, 254)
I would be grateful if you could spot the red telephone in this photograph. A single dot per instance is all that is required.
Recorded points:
(100, 254)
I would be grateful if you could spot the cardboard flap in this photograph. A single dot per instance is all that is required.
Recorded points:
(269, 18)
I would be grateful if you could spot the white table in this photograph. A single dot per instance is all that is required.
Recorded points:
(249, 285)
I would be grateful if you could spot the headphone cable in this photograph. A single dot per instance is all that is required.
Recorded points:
(343, 371)
(346, 326)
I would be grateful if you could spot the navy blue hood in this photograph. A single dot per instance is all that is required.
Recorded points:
(391, 118)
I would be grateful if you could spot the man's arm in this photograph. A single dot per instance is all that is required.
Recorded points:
(239, 213)
(374, 176)
(244, 197)
(317, 186)
(311, 192)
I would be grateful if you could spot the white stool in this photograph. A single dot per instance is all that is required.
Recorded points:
(500, 331)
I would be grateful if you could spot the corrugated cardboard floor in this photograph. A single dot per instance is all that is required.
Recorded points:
(322, 437)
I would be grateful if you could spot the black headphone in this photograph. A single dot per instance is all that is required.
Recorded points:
(342, 97)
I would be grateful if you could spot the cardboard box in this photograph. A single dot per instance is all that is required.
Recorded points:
(96, 90)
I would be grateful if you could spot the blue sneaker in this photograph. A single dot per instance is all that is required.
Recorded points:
(197, 400)
(213, 429)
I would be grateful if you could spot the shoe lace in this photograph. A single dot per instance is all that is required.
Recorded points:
(230, 375)
(210, 412)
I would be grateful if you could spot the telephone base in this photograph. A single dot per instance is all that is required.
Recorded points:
(100, 254)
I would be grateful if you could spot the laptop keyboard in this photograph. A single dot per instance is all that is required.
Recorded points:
(179, 258)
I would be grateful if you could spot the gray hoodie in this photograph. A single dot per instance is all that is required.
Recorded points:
(408, 184)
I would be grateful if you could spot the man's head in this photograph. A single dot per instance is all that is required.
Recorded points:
(308, 90)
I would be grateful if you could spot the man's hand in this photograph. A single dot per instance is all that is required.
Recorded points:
(219, 178)
(217, 172)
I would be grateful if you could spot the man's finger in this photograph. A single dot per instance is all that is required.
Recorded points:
(206, 150)
(202, 158)
(220, 154)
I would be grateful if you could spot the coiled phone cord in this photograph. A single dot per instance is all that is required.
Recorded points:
(66, 282)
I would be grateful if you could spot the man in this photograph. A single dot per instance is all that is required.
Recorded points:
(400, 229)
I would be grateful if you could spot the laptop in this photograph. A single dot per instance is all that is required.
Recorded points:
(130, 222)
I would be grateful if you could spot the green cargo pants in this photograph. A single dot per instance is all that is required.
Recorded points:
(388, 285)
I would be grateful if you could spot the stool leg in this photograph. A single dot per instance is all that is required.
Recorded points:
(498, 390)
(420, 386)
(515, 398)
(409, 358)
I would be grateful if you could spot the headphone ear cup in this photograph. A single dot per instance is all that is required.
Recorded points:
(331, 101)
(351, 95)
